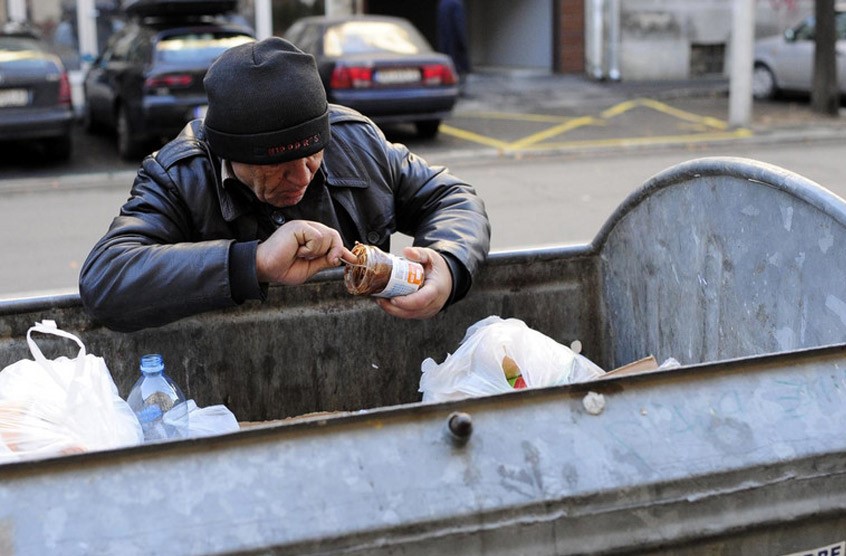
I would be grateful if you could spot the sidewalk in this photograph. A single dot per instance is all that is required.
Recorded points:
(578, 95)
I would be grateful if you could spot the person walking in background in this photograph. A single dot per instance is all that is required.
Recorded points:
(452, 36)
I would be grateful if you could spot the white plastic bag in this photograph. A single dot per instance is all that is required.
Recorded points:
(189, 421)
(61, 406)
(476, 368)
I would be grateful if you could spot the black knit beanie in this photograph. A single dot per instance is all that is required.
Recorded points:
(266, 104)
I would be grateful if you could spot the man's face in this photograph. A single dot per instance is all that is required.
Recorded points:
(280, 185)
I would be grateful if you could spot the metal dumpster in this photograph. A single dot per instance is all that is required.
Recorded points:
(731, 266)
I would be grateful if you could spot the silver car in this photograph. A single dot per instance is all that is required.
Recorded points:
(786, 62)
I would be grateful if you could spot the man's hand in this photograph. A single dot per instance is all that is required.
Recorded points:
(432, 296)
(297, 251)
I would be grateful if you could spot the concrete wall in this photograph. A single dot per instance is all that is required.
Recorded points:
(667, 39)
(511, 33)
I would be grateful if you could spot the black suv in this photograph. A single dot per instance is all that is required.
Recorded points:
(148, 82)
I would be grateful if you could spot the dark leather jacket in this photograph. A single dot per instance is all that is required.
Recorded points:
(184, 241)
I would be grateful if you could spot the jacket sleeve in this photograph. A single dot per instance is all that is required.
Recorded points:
(149, 268)
(442, 212)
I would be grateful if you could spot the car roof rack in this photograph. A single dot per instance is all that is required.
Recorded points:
(183, 8)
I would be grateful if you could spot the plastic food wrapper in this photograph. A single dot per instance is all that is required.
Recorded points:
(498, 355)
(61, 406)
(381, 274)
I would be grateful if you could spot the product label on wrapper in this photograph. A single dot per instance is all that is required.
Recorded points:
(381, 274)
(406, 277)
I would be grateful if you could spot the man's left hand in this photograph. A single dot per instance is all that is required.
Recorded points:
(432, 296)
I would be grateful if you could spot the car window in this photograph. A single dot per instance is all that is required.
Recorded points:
(22, 53)
(309, 39)
(840, 24)
(360, 37)
(196, 48)
(293, 32)
(19, 44)
(806, 31)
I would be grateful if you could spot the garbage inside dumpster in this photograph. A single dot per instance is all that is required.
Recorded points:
(61, 406)
(164, 412)
(68, 406)
(499, 355)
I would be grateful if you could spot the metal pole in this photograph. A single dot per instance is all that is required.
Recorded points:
(86, 19)
(264, 19)
(17, 10)
(740, 79)
(594, 38)
(614, 40)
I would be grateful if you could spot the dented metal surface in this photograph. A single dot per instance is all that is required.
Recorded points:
(719, 263)
(675, 459)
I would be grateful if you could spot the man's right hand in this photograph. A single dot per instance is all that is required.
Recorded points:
(298, 250)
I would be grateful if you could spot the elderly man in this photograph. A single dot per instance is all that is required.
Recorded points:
(273, 186)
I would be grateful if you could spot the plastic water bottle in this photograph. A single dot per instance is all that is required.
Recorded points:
(153, 395)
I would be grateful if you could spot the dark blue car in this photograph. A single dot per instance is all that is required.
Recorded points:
(148, 82)
(381, 66)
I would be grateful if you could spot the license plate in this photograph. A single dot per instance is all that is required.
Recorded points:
(200, 111)
(397, 76)
(14, 97)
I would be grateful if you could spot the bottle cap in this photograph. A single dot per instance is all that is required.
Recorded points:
(152, 363)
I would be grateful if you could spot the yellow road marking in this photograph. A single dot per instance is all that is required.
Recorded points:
(663, 139)
(516, 117)
(473, 137)
(565, 125)
(683, 115)
(551, 132)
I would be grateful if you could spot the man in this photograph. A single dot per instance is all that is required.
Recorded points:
(452, 36)
(272, 187)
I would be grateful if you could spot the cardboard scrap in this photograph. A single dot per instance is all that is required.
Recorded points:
(645, 365)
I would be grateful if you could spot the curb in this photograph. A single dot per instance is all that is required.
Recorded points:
(68, 182)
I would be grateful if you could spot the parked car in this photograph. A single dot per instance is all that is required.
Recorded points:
(148, 81)
(785, 63)
(35, 94)
(381, 66)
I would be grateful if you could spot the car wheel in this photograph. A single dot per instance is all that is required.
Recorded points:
(763, 83)
(129, 146)
(58, 148)
(427, 129)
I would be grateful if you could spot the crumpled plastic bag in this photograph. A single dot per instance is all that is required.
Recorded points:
(476, 368)
(61, 406)
(186, 420)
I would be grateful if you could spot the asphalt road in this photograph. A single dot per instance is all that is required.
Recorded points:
(532, 202)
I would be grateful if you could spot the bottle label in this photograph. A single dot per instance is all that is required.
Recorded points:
(406, 277)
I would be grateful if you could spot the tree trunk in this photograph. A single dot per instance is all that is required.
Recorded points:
(825, 94)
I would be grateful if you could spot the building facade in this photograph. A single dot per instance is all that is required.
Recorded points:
(604, 39)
